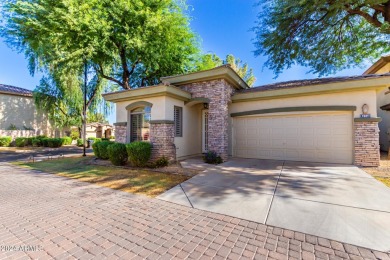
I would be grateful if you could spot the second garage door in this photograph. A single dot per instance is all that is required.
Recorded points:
(320, 137)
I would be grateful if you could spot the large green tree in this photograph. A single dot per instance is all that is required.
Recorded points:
(131, 43)
(211, 60)
(123, 43)
(325, 35)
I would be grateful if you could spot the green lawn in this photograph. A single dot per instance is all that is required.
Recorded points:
(144, 182)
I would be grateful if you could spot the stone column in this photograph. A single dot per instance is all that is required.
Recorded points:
(219, 93)
(120, 132)
(162, 137)
(367, 142)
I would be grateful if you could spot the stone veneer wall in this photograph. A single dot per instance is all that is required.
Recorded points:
(162, 137)
(367, 143)
(120, 132)
(219, 92)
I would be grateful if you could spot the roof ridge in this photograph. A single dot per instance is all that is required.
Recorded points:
(308, 82)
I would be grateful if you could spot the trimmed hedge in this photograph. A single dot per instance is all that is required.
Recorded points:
(139, 153)
(117, 153)
(66, 140)
(95, 149)
(21, 141)
(103, 149)
(54, 142)
(5, 140)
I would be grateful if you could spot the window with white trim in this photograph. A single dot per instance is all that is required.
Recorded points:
(178, 118)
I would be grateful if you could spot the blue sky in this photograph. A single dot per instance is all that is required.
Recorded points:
(224, 27)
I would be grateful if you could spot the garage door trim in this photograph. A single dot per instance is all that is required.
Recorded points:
(347, 158)
(294, 109)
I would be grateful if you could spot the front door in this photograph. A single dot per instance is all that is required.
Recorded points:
(205, 131)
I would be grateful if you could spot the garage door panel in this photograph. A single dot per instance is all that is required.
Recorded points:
(315, 137)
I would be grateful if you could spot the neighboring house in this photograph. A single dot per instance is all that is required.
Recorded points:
(99, 130)
(17, 110)
(383, 107)
(316, 120)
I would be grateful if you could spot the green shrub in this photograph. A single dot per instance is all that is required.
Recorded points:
(5, 140)
(139, 153)
(29, 140)
(21, 141)
(45, 142)
(66, 140)
(102, 149)
(117, 153)
(212, 158)
(112, 137)
(95, 149)
(161, 162)
(74, 134)
(79, 142)
(105, 139)
(54, 142)
(36, 142)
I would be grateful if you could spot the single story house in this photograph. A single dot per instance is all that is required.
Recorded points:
(19, 116)
(331, 120)
(383, 102)
(98, 130)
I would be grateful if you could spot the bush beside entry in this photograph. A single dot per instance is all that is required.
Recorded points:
(212, 158)
(117, 153)
(100, 149)
(139, 153)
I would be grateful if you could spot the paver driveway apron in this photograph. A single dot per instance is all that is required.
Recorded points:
(339, 202)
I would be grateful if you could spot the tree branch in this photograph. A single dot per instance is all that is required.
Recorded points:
(366, 16)
(125, 67)
(101, 72)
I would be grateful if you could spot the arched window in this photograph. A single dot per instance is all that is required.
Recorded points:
(140, 124)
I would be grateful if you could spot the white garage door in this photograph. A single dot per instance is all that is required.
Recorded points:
(320, 137)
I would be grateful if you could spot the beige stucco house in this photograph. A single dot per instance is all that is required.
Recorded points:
(17, 109)
(99, 130)
(383, 102)
(317, 120)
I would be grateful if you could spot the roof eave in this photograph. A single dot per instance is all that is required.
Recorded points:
(223, 72)
(147, 92)
(331, 87)
(377, 65)
(16, 94)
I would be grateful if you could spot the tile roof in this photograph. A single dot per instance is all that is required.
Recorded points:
(310, 82)
(15, 90)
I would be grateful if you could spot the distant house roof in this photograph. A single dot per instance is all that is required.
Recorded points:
(310, 82)
(378, 65)
(7, 89)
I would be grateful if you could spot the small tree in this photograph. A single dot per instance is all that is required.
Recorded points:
(210, 60)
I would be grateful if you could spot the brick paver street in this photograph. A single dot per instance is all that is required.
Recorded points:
(68, 219)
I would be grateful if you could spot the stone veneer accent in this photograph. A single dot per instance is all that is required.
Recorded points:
(366, 143)
(219, 92)
(120, 132)
(162, 137)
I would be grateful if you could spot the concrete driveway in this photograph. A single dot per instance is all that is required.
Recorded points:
(339, 202)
